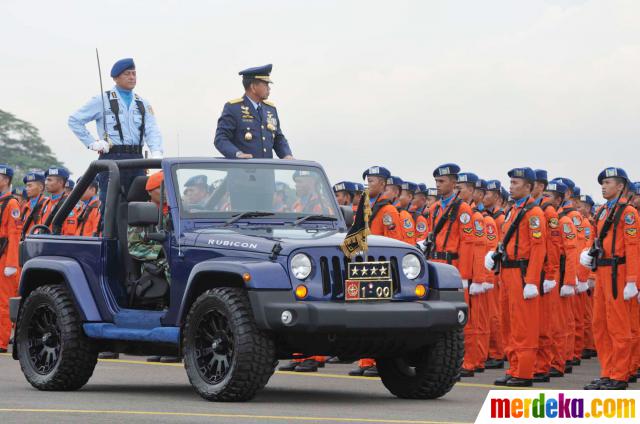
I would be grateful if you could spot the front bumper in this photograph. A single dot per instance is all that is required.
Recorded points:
(347, 317)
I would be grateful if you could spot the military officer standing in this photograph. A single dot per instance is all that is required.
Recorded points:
(249, 126)
(129, 121)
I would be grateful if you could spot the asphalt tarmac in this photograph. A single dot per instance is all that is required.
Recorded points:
(134, 391)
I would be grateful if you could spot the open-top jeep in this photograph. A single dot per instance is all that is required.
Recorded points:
(255, 274)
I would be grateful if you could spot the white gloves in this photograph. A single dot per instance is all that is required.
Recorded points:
(586, 259)
(465, 284)
(548, 285)
(489, 263)
(530, 291)
(421, 245)
(156, 155)
(487, 286)
(9, 271)
(630, 290)
(591, 283)
(475, 289)
(567, 291)
(99, 146)
(581, 286)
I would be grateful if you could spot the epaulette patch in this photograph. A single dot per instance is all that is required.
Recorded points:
(234, 101)
(267, 102)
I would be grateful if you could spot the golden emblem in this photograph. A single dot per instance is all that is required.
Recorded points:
(248, 136)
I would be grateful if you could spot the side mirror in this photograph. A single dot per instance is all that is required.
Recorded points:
(348, 214)
(142, 214)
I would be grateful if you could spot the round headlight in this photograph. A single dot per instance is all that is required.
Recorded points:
(301, 266)
(411, 266)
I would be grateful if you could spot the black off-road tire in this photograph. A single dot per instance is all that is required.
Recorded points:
(250, 357)
(77, 356)
(428, 374)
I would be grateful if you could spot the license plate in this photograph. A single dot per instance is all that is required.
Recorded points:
(368, 290)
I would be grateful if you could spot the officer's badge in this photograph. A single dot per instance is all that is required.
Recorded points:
(410, 233)
(407, 224)
(536, 234)
(478, 225)
(576, 221)
(421, 227)
(248, 136)
(387, 220)
(553, 223)
(15, 213)
(534, 222)
(587, 232)
(566, 228)
(490, 229)
(272, 122)
(629, 219)
(465, 218)
(631, 232)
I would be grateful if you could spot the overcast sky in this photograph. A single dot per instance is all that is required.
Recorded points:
(488, 84)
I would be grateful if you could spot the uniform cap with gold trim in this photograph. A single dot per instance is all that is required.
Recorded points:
(261, 73)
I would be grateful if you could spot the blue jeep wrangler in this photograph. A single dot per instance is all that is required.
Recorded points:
(255, 274)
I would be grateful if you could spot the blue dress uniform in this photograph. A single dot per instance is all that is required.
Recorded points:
(249, 127)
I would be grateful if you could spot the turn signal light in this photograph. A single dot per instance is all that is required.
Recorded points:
(246, 277)
(301, 291)
(421, 290)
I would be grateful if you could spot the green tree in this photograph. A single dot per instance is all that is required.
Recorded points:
(22, 148)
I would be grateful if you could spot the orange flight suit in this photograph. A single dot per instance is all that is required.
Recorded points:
(422, 225)
(524, 314)
(89, 219)
(49, 207)
(27, 217)
(10, 225)
(611, 328)
(589, 230)
(488, 300)
(408, 227)
(496, 341)
(70, 225)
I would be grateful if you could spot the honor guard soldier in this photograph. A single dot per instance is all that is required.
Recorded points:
(417, 209)
(520, 257)
(357, 194)
(585, 207)
(32, 208)
(55, 180)
(249, 126)
(9, 240)
(614, 256)
(129, 121)
(69, 185)
(89, 217)
(393, 191)
(344, 192)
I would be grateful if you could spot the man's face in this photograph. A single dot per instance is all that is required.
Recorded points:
(478, 195)
(583, 208)
(54, 184)
(305, 185)
(405, 198)
(88, 193)
(431, 200)
(194, 195)
(465, 191)
(34, 189)
(420, 200)
(68, 190)
(611, 188)
(519, 188)
(5, 182)
(376, 185)
(392, 192)
(445, 185)
(635, 202)
(126, 80)
(555, 199)
(343, 198)
(260, 89)
(155, 195)
(490, 199)
(356, 198)
(538, 188)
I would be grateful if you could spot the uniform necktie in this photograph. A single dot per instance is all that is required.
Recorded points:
(259, 109)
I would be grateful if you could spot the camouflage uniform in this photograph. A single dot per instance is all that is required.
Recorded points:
(145, 250)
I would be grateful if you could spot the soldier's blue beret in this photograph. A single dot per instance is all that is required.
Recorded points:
(504, 194)
(541, 175)
(196, 180)
(376, 171)
(359, 187)
(481, 184)
(612, 172)
(446, 169)
(557, 186)
(432, 192)
(347, 186)
(259, 72)
(409, 186)
(33, 176)
(70, 184)
(576, 191)
(524, 173)
(302, 173)
(566, 181)
(121, 66)
(58, 172)
(589, 201)
(467, 177)
(6, 170)
(17, 191)
(494, 185)
(422, 188)
(393, 180)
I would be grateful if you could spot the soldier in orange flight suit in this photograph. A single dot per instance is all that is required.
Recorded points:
(344, 192)
(10, 225)
(32, 207)
(418, 209)
(89, 217)
(634, 307)
(616, 280)
(393, 191)
(407, 194)
(585, 208)
(55, 179)
(520, 270)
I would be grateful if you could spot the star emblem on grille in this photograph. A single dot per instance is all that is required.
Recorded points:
(374, 270)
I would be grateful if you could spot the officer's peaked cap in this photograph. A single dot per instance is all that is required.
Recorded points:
(259, 72)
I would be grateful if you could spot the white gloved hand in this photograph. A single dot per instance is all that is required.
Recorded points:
(489, 263)
(591, 283)
(630, 290)
(99, 146)
(9, 271)
(475, 289)
(548, 285)
(156, 154)
(586, 259)
(465, 284)
(530, 291)
(567, 291)
(581, 286)
(487, 286)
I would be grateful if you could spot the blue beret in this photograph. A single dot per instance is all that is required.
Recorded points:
(359, 187)
(393, 180)
(409, 186)
(494, 185)
(196, 180)
(70, 184)
(446, 169)
(33, 176)
(566, 181)
(504, 193)
(376, 171)
(481, 184)
(612, 172)
(6, 170)
(432, 192)
(541, 175)
(422, 188)
(557, 187)
(589, 201)
(576, 191)
(467, 177)
(121, 66)
(17, 191)
(259, 72)
(524, 173)
(347, 186)
(59, 172)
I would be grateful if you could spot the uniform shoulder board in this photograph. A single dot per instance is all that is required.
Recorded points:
(234, 101)
(267, 102)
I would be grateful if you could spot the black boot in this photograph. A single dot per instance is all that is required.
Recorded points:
(519, 382)
(289, 367)
(568, 369)
(308, 365)
(555, 373)
(170, 359)
(502, 381)
(576, 362)
(494, 364)
(357, 372)
(108, 355)
(466, 373)
(541, 378)
(632, 379)
(615, 385)
(597, 384)
(154, 358)
(371, 372)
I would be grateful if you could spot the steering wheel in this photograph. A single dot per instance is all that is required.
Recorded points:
(40, 227)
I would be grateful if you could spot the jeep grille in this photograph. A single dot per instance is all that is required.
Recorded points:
(334, 271)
